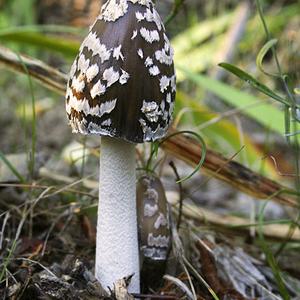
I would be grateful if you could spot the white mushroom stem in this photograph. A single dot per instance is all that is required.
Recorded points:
(117, 254)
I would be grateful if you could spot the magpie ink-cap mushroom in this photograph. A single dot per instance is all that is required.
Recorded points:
(122, 87)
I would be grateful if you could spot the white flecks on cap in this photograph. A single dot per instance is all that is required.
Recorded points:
(152, 194)
(78, 84)
(117, 54)
(93, 128)
(142, 2)
(160, 221)
(150, 134)
(150, 210)
(111, 76)
(154, 71)
(79, 126)
(73, 69)
(169, 97)
(97, 111)
(157, 20)
(83, 63)
(151, 110)
(140, 53)
(158, 241)
(150, 16)
(113, 10)
(92, 72)
(139, 16)
(106, 123)
(171, 108)
(163, 57)
(164, 83)
(107, 107)
(163, 105)
(155, 253)
(173, 83)
(124, 77)
(98, 89)
(134, 34)
(81, 105)
(93, 43)
(167, 41)
(149, 36)
(71, 100)
(148, 62)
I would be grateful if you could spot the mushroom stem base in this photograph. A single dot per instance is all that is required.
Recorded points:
(117, 253)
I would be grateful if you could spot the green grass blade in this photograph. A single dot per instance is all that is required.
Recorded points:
(11, 167)
(261, 55)
(49, 28)
(203, 151)
(33, 121)
(264, 113)
(253, 82)
(55, 43)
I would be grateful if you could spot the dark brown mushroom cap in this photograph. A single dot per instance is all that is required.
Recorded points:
(122, 83)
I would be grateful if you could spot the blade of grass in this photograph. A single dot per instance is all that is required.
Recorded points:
(267, 114)
(33, 121)
(11, 167)
(63, 45)
(49, 28)
(253, 82)
(261, 55)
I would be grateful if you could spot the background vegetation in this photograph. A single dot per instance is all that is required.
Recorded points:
(246, 110)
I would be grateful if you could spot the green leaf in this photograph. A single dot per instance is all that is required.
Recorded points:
(261, 55)
(55, 43)
(264, 113)
(11, 167)
(253, 82)
(48, 28)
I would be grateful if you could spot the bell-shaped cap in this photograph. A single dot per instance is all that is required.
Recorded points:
(122, 83)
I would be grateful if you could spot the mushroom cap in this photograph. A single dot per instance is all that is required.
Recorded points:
(122, 83)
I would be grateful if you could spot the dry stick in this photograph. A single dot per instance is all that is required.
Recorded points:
(181, 147)
(50, 77)
(188, 150)
(232, 223)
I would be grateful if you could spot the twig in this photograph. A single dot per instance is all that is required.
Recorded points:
(46, 75)
(272, 229)
(187, 149)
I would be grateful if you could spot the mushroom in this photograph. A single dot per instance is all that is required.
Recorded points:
(122, 87)
(154, 230)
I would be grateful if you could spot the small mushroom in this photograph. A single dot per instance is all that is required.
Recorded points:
(154, 230)
(122, 87)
